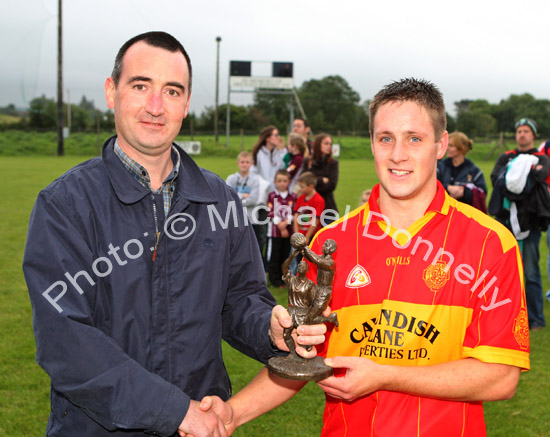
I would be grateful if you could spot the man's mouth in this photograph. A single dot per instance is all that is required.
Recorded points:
(400, 172)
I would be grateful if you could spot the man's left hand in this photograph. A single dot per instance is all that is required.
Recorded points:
(363, 377)
(307, 334)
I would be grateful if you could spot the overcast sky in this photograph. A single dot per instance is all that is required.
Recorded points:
(470, 49)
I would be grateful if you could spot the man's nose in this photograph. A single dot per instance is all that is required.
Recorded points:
(154, 104)
(399, 151)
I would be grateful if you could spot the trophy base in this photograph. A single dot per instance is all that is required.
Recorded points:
(298, 368)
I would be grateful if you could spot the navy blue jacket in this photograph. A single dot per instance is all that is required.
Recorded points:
(465, 173)
(127, 342)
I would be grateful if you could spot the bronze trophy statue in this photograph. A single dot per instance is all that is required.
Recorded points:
(306, 303)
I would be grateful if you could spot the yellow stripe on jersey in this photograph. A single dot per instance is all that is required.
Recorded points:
(490, 354)
(401, 333)
(505, 236)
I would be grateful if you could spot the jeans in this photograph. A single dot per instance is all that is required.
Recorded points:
(533, 282)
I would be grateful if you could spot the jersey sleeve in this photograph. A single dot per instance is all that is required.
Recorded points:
(499, 330)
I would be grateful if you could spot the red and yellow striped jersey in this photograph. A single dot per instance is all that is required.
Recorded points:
(448, 287)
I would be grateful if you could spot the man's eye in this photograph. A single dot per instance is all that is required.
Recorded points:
(415, 139)
(173, 93)
(385, 139)
(139, 87)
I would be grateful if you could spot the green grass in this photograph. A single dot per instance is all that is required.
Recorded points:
(24, 387)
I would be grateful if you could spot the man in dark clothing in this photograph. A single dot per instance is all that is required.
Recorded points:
(136, 272)
(526, 132)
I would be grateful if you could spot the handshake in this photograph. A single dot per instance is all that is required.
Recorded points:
(209, 417)
(214, 417)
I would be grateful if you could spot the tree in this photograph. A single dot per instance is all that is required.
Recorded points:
(43, 113)
(241, 118)
(334, 99)
(474, 118)
(274, 107)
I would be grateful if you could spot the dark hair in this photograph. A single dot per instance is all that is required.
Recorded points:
(307, 178)
(317, 154)
(282, 172)
(419, 91)
(264, 134)
(306, 123)
(161, 40)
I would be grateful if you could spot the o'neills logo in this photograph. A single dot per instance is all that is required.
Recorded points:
(358, 277)
(398, 261)
(436, 275)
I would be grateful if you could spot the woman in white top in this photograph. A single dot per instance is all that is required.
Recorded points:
(268, 154)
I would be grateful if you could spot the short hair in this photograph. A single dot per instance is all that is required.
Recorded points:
(307, 178)
(298, 141)
(461, 142)
(244, 154)
(161, 40)
(305, 121)
(419, 91)
(282, 172)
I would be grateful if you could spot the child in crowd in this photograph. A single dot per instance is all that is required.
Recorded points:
(365, 195)
(280, 203)
(297, 149)
(309, 206)
(247, 186)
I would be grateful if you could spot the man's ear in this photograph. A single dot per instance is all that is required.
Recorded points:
(110, 90)
(442, 145)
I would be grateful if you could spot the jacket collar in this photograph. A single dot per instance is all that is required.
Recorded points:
(190, 183)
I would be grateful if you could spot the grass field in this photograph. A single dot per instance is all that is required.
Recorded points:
(24, 403)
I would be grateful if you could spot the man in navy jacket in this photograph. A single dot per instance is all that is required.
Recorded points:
(138, 263)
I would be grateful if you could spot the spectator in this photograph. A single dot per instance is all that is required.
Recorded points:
(247, 186)
(301, 126)
(462, 179)
(325, 168)
(365, 195)
(297, 149)
(309, 207)
(525, 222)
(280, 203)
(268, 154)
(545, 148)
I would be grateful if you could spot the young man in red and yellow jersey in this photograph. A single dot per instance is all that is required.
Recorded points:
(429, 295)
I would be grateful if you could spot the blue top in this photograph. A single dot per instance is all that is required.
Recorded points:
(128, 341)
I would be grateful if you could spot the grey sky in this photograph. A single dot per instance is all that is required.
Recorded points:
(470, 49)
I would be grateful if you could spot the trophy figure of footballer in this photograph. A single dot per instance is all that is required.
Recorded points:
(306, 302)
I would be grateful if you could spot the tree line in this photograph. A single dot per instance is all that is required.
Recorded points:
(330, 104)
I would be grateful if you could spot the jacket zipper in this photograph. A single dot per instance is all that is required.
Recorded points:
(157, 233)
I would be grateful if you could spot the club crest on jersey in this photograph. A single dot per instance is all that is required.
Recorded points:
(521, 329)
(358, 277)
(435, 275)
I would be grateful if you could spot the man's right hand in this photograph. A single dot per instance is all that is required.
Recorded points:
(201, 423)
(222, 409)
